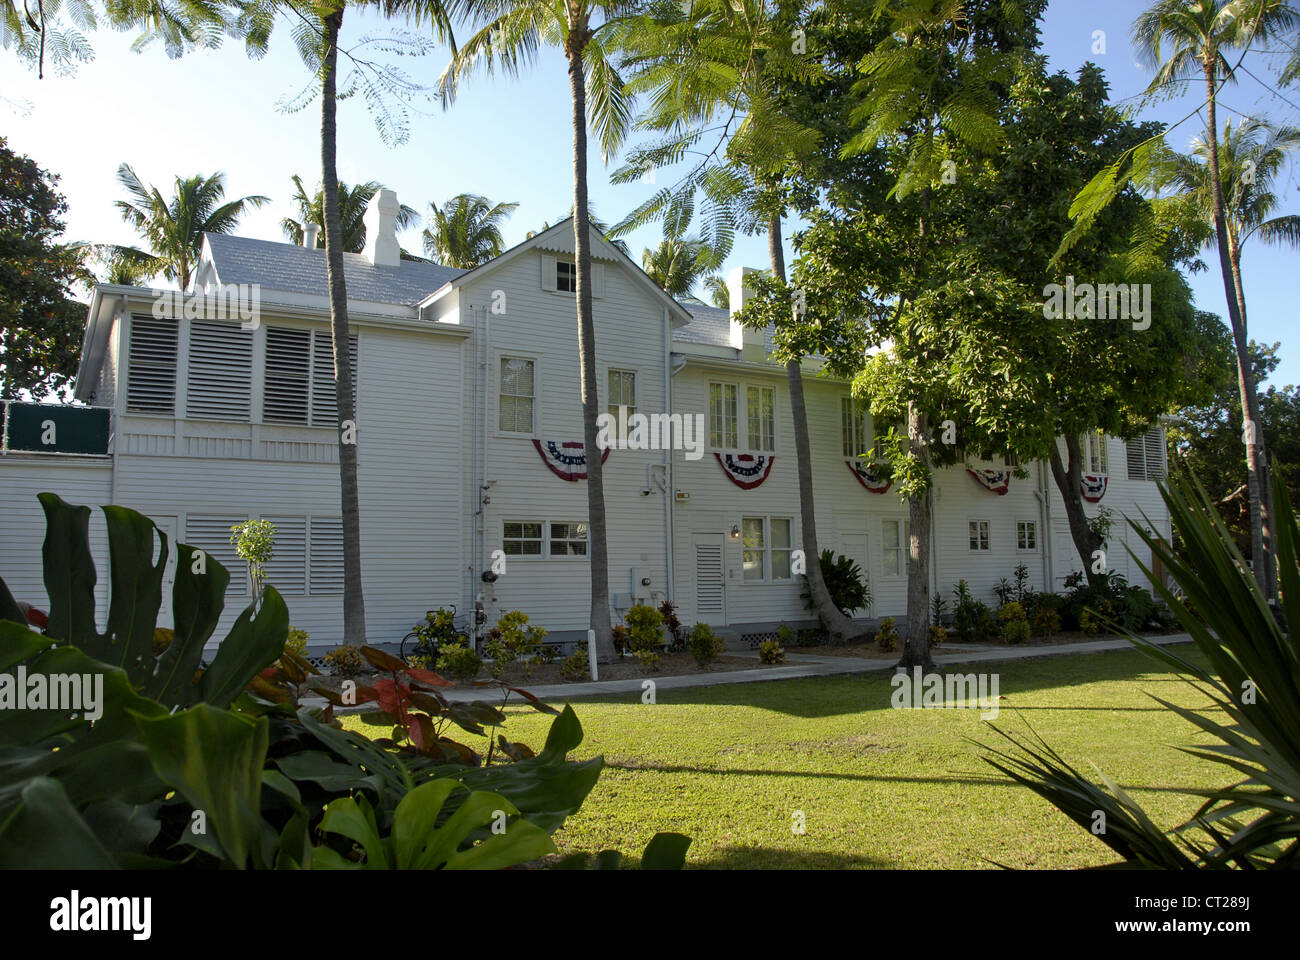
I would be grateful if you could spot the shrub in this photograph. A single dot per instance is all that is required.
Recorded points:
(705, 645)
(437, 629)
(784, 635)
(676, 632)
(520, 640)
(938, 634)
(887, 636)
(808, 637)
(459, 662)
(644, 628)
(576, 666)
(1089, 623)
(844, 582)
(1004, 591)
(296, 641)
(1047, 621)
(938, 609)
(771, 651)
(971, 619)
(649, 659)
(495, 649)
(345, 662)
(1013, 623)
(619, 637)
(254, 543)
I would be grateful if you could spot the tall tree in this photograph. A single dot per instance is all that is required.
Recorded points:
(353, 201)
(1185, 40)
(677, 263)
(465, 232)
(173, 229)
(41, 334)
(510, 34)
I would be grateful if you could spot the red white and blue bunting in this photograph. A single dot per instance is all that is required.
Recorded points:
(874, 476)
(1093, 486)
(566, 459)
(746, 470)
(999, 481)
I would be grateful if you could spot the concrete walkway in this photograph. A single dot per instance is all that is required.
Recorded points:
(798, 665)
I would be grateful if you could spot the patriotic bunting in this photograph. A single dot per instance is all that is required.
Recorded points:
(999, 481)
(566, 459)
(1093, 486)
(746, 470)
(874, 476)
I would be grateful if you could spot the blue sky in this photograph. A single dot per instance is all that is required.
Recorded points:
(509, 140)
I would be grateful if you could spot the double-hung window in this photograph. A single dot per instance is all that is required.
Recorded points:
(1093, 447)
(761, 408)
(1026, 535)
(893, 547)
(518, 395)
(853, 426)
(766, 545)
(622, 394)
(978, 535)
(724, 427)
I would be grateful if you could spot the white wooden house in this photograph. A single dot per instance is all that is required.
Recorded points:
(466, 381)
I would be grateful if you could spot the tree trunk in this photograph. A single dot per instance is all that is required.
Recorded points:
(354, 604)
(920, 512)
(597, 544)
(1252, 436)
(1069, 480)
(837, 624)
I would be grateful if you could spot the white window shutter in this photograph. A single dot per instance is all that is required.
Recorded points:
(548, 272)
(597, 280)
(326, 555)
(287, 568)
(211, 534)
(1154, 442)
(151, 366)
(1137, 466)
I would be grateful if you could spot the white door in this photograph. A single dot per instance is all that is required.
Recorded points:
(710, 582)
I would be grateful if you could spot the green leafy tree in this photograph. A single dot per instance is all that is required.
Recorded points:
(465, 232)
(173, 229)
(588, 32)
(353, 201)
(41, 334)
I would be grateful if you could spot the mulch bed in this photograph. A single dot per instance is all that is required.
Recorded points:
(871, 651)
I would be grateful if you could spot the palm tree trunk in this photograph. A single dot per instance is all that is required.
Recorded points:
(1069, 480)
(1252, 435)
(354, 605)
(597, 543)
(836, 623)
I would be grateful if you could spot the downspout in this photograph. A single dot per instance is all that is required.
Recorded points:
(479, 566)
(667, 455)
(1045, 510)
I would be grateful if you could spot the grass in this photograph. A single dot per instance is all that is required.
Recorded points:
(878, 788)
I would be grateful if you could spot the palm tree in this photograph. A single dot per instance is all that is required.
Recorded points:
(173, 229)
(597, 224)
(1197, 36)
(677, 263)
(353, 201)
(716, 287)
(510, 34)
(466, 231)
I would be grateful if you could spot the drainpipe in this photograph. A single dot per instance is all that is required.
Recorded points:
(1045, 509)
(667, 456)
(480, 564)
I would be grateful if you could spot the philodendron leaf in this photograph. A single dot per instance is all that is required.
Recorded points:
(254, 643)
(69, 572)
(9, 609)
(214, 758)
(45, 831)
(353, 818)
(420, 844)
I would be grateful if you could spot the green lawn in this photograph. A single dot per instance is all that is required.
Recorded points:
(878, 787)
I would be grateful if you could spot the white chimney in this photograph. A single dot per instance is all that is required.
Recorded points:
(752, 344)
(309, 232)
(381, 230)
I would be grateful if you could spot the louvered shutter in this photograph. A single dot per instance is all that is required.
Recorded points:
(211, 534)
(326, 555)
(151, 366)
(219, 379)
(287, 570)
(1154, 442)
(324, 399)
(1136, 451)
(708, 580)
(548, 272)
(288, 375)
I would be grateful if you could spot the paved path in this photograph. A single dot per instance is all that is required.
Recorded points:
(799, 665)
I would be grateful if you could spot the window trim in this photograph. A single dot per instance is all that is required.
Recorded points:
(537, 395)
(767, 550)
(1089, 440)
(540, 540)
(636, 395)
(558, 288)
(708, 396)
(744, 442)
(545, 540)
(1033, 523)
(760, 387)
(904, 528)
(987, 537)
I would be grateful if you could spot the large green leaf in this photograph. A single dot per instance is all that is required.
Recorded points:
(45, 830)
(214, 758)
(253, 643)
(69, 572)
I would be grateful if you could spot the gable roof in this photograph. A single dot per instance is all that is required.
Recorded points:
(296, 269)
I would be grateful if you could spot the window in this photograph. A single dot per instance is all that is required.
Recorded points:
(1093, 447)
(298, 384)
(219, 385)
(568, 539)
(522, 539)
(211, 534)
(979, 535)
(766, 548)
(287, 568)
(853, 426)
(566, 276)
(723, 416)
(893, 546)
(1146, 456)
(151, 373)
(326, 555)
(535, 538)
(880, 443)
(516, 395)
(762, 418)
(622, 393)
(1026, 535)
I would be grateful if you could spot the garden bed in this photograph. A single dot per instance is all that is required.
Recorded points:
(869, 650)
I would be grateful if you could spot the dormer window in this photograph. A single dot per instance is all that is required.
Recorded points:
(566, 276)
